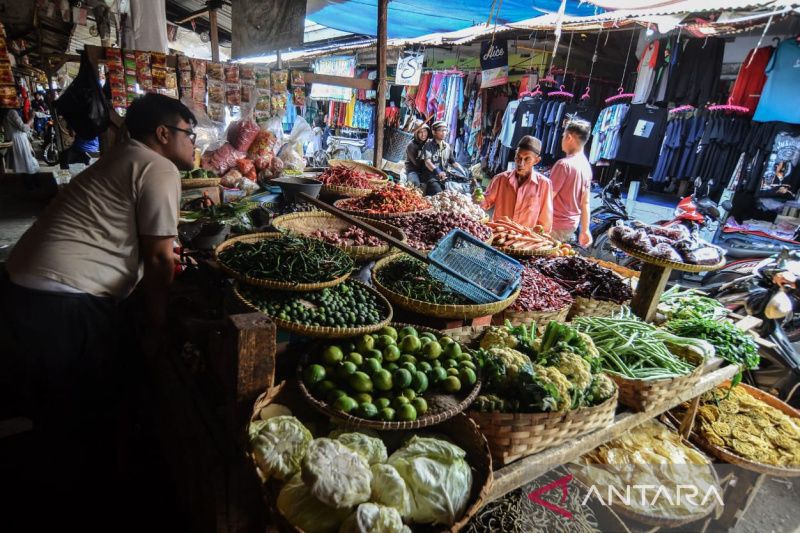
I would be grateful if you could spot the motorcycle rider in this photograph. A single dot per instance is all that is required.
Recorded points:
(437, 155)
(571, 178)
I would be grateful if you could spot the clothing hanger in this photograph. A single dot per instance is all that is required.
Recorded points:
(728, 108)
(620, 94)
(585, 96)
(681, 109)
(561, 93)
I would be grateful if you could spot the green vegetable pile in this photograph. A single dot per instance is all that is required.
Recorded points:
(346, 305)
(557, 372)
(638, 350)
(198, 173)
(288, 259)
(384, 376)
(410, 278)
(690, 303)
(730, 342)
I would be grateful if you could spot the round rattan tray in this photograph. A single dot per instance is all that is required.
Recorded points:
(324, 332)
(264, 283)
(461, 312)
(307, 222)
(376, 216)
(647, 258)
(459, 429)
(361, 166)
(195, 183)
(724, 454)
(441, 406)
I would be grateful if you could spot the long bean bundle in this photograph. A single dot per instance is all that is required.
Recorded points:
(287, 258)
(633, 348)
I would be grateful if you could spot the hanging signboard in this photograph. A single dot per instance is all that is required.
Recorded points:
(409, 68)
(494, 63)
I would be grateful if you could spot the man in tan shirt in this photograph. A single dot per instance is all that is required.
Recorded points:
(112, 227)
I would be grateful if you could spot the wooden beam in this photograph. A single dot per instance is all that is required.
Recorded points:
(380, 105)
(339, 81)
(212, 19)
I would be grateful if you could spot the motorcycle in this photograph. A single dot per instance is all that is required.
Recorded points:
(770, 292)
(604, 217)
(50, 150)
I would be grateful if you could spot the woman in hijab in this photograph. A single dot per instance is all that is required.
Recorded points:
(20, 158)
(414, 164)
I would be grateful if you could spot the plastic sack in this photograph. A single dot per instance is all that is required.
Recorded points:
(232, 179)
(247, 168)
(242, 133)
(261, 150)
(291, 153)
(221, 159)
(83, 105)
(209, 133)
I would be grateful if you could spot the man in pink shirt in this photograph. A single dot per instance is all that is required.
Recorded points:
(571, 178)
(522, 194)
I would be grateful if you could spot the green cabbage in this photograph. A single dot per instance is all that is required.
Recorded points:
(371, 448)
(279, 445)
(304, 511)
(371, 518)
(336, 475)
(389, 489)
(438, 478)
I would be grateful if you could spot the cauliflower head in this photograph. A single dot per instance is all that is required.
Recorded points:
(498, 337)
(577, 370)
(506, 365)
(602, 389)
(551, 375)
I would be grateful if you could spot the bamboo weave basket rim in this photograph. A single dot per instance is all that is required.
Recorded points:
(429, 419)
(583, 306)
(264, 283)
(379, 216)
(647, 258)
(516, 252)
(359, 253)
(655, 519)
(341, 190)
(363, 166)
(464, 312)
(324, 332)
(478, 456)
(507, 448)
(559, 315)
(196, 183)
(732, 457)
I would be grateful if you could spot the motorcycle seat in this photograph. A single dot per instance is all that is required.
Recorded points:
(707, 206)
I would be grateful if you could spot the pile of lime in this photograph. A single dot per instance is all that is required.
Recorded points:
(384, 376)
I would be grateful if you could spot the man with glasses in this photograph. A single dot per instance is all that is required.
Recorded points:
(522, 194)
(437, 154)
(111, 228)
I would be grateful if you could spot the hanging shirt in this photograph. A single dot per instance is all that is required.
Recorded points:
(571, 179)
(529, 203)
(641, 138)
(647, 73)
(525, 119)
(746, 91)
(782, 161)
(779, 98)
(507, 131)
(605, 134)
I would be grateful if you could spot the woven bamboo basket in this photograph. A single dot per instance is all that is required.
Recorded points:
(460, 429)
(729, 456)
(379, 216)
(522, 254)
(591, 307)
(512, 436)
(361, 166)
(642, 395)
(264, 283)
(647, 258)
(541, 318)
(196, 183)
(347, 192)
(306, 223)
(462, 312)
(324, 332)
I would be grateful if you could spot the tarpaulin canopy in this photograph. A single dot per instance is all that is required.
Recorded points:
(413, 18)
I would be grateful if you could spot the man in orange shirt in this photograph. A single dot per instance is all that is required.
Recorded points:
(522, 194)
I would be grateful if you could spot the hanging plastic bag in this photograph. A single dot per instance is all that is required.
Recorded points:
(83, 105)
(291, 153)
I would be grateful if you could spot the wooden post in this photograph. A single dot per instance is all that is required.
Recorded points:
(648, 291)
(380, 109)
(212, 19)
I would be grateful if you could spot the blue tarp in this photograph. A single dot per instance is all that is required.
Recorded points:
(413, 18)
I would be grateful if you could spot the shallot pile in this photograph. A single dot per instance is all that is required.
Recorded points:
(425, 230)
(346, 177)
(457, 203)
(540, 293)
(349, 236)
(584, 278)
(390, 199)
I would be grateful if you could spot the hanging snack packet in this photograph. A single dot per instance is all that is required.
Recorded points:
(216, 71)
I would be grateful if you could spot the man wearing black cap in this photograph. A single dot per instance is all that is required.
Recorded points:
(437, 155)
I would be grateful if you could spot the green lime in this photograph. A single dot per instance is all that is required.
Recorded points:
(419, 382)
(407, 331)
(332, 355)
(382, 403)
(388, 330)
(432, 350)
(466, 364)
(383, 341)
(425, 366)
(444, 341)
(399, 401)
(360, 382)
(365, 343)
(409, 393)
(411, 367)
(313, 374)
(406, 358)
(371, 366)
(362, 397)
(467, 376)
(440, 374)
(427, 334)
(386, 414)
(324, 387)
(450, 363)
(367, 410)
(452, 372)
(345, 403)
(401, 378)
(391, 353)
(334, 395)
(407, 413)
(391, 367)
(382, 380)
(346, 369)
(452, 350)
(451, 384)
(375, 354)
(410, 345)
(424, 341)
(355, 358)
(436, 363)
(420, 405)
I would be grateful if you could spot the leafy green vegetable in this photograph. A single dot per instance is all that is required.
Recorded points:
(306, 512)
(730, 342)
(279, 445)
(690, 303)
(371, 518)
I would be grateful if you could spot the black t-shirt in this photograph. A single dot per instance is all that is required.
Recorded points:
(642, 134)
(525, 119)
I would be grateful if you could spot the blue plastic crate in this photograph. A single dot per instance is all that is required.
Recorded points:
(491, 276)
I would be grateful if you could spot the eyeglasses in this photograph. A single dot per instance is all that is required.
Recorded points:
(192, 135)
